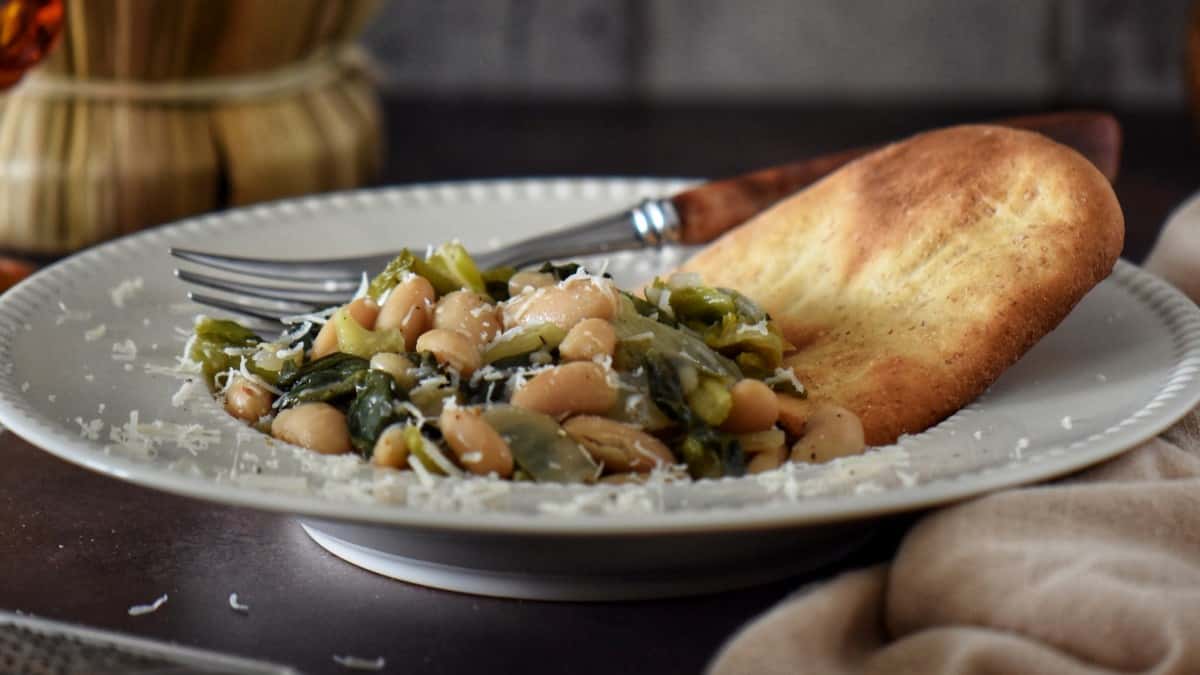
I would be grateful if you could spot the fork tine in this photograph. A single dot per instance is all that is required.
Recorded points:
(301, 270)
(265, 313)
(313, 298)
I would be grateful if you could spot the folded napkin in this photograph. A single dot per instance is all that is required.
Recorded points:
(1097, 573)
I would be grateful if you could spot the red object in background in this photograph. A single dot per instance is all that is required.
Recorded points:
(13, 270)
(28, 31)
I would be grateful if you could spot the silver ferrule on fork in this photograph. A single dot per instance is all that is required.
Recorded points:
(652, 222)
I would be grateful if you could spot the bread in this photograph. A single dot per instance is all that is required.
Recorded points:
(911, 278)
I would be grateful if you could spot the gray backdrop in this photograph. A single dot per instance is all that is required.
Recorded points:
(1122, 51)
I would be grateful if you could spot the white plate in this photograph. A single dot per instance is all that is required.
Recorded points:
(1119, 370)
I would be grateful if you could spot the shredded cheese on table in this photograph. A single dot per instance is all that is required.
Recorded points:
(138, 610)
(359, 663)
(237, 606)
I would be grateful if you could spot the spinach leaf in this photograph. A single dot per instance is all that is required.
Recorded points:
(665, 389)
(560, 272)
(327, 379)
(373, 409)
(712, 454)
(336, 361)
(650, 311)
(708, 453)
(495, 281)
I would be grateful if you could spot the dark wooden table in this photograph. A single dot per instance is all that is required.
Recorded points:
(80, 547)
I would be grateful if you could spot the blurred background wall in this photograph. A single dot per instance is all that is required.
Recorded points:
(1122, 52)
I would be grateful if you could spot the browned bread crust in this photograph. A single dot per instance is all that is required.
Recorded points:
(911, 278)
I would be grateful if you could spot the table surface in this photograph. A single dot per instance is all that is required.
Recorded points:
(80, 547)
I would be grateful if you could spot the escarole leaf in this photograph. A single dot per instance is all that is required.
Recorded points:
(438, 274)
(540, 447)
(372, 410)
(392, 275)
(427, 452)
(523, 342)
(636, 334)
(710, 400)
(707, 452)
(702, 304)
(454, 265)
(353, 339)
(757, 348)
(217, 346)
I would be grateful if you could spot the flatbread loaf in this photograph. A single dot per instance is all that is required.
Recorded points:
(911, 278)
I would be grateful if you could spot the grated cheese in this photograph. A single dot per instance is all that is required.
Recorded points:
(363, 285)
(138, 610)
(318, 317)
(664, 301)
(124, 351)
(145, 438)
(358, 663)
(237, 606)
(90, 429)
(190, 390)
(126, 290)
(759, 328)
(257, 380)
(785, 375)
(70, 315)
(95, 333)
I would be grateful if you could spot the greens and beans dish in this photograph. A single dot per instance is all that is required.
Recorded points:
(553, 375)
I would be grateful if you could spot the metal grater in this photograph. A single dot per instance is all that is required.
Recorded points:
(30, 646)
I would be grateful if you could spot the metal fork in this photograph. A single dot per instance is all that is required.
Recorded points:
(311, 285)
(694, 216)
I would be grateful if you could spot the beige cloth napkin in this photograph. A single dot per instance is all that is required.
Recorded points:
(1097, 573)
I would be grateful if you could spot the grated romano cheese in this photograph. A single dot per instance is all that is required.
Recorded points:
(126, 290)
(237, 606)
(70, 315)
(138, 610)
(124, 351)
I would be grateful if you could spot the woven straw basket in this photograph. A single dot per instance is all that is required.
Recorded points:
(151, 110)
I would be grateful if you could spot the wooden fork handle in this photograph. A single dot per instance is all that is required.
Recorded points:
(707, 211)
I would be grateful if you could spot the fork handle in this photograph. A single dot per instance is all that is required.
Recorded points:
(707, 211)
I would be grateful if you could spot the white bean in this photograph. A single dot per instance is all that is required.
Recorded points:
(317, 426)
